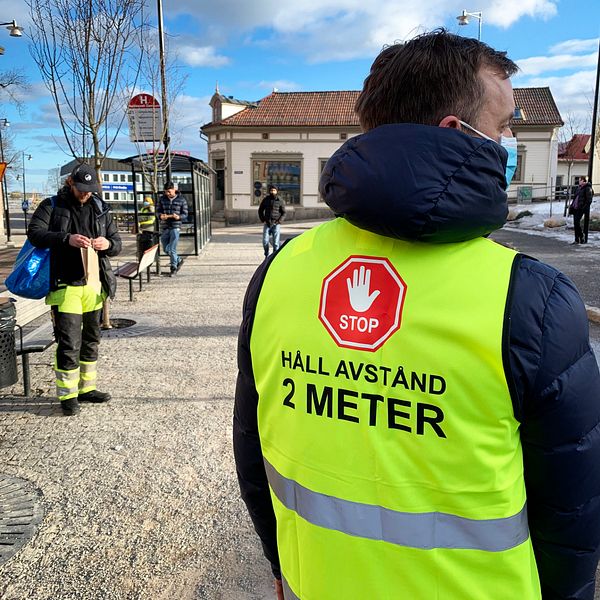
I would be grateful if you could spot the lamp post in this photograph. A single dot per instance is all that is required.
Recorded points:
(463, 19)
(4, 123)
(593, 141)
(163, 88)
(25, 204)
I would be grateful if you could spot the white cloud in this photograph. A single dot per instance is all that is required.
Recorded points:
(201, 56)
(575, 46)
(544, 64)
(325, 30)
(503, 13)
(573, 93)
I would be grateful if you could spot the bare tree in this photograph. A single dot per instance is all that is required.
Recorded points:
(88, 52)
(152, 160)
(573, 124)
(13, 85)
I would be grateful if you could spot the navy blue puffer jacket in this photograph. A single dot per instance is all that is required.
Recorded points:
(438, 185)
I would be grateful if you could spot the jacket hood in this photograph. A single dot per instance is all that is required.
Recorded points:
(418, 183)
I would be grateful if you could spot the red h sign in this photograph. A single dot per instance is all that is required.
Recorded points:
(361, 302)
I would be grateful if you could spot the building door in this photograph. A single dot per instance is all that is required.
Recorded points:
(219, 167)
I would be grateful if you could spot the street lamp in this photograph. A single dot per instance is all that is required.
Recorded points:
(4, 123)
(13, 28)
(463, 19)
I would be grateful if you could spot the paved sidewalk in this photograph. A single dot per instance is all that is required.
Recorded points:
(140, 495)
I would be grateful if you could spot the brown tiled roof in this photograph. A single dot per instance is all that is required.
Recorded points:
(299, 109)
(537, 107)
(574, 149)
(336, 109)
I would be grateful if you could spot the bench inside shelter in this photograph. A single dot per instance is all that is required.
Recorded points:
(134, 269)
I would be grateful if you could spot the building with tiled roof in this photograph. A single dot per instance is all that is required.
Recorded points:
(286, 139)
(573, 159)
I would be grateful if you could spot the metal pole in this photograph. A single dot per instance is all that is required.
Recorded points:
(586, 221)
(4, 189)
(24, 205)
(480, 19)
(163, 86)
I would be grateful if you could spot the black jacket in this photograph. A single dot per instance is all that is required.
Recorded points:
(438, 185)
(51, 228)
(271, 210)
(176, 206)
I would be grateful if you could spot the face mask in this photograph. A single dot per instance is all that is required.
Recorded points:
(509, 144)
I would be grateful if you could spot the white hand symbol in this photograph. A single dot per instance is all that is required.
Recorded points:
(358, 290)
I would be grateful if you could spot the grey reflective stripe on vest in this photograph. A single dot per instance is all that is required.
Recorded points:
(287, 591)
(415, 530)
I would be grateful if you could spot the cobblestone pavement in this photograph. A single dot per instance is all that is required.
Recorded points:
(139, 496)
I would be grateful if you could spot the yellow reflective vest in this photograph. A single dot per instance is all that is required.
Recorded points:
(386, 422)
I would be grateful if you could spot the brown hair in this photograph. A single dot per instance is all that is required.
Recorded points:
(427, 78)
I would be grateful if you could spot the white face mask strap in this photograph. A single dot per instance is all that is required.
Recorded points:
(487, 137)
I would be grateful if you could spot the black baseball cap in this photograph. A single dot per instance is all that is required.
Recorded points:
(84, 178)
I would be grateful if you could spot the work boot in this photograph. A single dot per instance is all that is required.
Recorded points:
(94, 396)
(70, 406)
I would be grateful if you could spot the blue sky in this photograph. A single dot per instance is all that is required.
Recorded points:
(309, 45)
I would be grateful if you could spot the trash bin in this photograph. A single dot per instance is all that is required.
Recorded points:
(145, 240)
(8, 356)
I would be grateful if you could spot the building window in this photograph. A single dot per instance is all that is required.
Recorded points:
(115, 195)
(130, 178)
(217, 136)
(123, 177)
(115, 177)
(286, 175)
(265, 136)
(107, 195)
(105, 177)
(519, 175)
(343, 136)
(322, 163)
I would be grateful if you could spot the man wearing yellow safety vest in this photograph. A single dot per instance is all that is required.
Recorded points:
(76, 225)
(417, 407)
(147, 216)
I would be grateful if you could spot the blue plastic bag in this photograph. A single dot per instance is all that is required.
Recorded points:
(30, 277)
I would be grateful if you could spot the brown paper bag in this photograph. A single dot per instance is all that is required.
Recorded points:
(91, 267)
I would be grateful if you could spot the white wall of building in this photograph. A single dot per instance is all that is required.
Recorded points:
(241, 148)
(540, 155)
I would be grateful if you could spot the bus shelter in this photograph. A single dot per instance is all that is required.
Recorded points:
(192, 176)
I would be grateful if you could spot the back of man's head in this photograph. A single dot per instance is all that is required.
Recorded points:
(427, 78)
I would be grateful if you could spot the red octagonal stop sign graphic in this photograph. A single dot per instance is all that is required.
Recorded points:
(361, 302)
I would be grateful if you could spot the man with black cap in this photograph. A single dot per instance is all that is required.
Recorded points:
(78, 227)
(271, 212)
(172, 210)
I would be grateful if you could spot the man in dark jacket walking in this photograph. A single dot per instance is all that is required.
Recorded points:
(79, 229)
(426, 425)
(580, 207)
(172, 210)
(271, 212)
